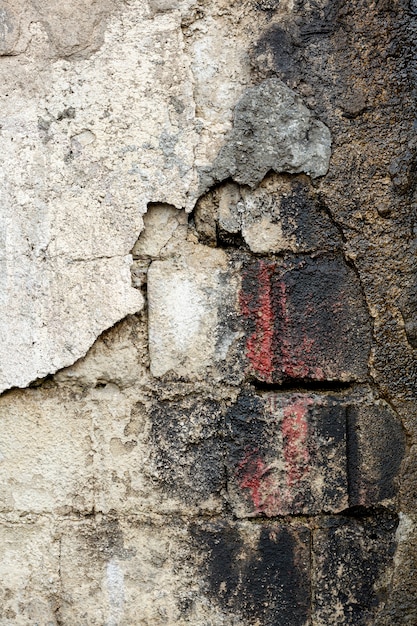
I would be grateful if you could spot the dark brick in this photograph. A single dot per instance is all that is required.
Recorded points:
(186, 448)
(350, 557)
(260, 572)
(305, 218)
(287, 455)
(304, 319)
(376, 447)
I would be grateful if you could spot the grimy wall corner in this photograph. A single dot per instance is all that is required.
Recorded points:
(208, 313)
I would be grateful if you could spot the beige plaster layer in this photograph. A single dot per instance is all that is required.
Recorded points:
(105, 107)
(86, 144)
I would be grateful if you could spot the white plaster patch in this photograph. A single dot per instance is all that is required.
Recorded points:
(115, 586)
(187, 311)
(85, 145)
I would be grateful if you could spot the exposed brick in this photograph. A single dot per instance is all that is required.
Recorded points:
(350, 557)
(376, 447)
(261, 572)
(287, 455)
(192, 316)
(186, 450)
(305, 319)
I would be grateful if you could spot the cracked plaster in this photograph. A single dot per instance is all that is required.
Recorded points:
(80, 162)
(102, 470)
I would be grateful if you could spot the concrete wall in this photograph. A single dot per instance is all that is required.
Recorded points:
(208, 301)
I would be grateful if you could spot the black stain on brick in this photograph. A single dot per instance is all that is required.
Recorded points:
(250, 446)
(351, 557)
(266, 582)
(187, 448)
(305, 318)
(304, 216)
(324, 297)
(221, 546)
(376, 448)
(280, 45)
(244, 421)
(330, 427)
(320, 22)
(275, 580)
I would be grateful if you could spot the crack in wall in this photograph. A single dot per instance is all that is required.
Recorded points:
(160, 436)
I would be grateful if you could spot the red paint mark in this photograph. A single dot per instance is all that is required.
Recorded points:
(253, 474)
(279, 346)
(294, 430)
(251, 471)
(274, 488)
(259, 344)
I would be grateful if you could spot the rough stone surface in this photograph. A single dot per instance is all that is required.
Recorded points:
(136, 566)
(208, 301)
(272, 130)
(187, 457)
(400, 606)
(287, 455)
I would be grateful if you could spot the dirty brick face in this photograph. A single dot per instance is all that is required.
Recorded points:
(208, 311)
(306, 320)
(350, 557)
(259, 572)
(287, 455)
(187, 449)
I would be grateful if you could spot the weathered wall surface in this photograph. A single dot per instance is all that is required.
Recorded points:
(208, 313)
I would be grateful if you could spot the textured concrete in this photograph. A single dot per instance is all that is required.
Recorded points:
(272, 130)
(208, 313)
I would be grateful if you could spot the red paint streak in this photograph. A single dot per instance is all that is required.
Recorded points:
(274, 488)
(259, 344)
(253, 474)
(279, 347)
(293, 357)
(251, 471)
(295, 435)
